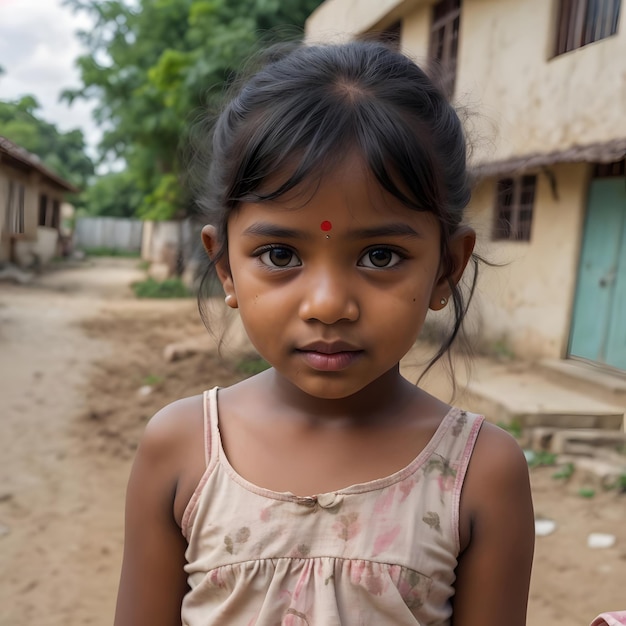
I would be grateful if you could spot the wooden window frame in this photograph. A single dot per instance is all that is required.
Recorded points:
(444, 41)
(581, 22)
(514, 208)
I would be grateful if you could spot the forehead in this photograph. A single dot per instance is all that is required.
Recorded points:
(342, 196)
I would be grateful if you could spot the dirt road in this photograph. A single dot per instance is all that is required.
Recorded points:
(75, 349)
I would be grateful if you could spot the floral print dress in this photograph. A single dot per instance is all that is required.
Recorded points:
(381, 552)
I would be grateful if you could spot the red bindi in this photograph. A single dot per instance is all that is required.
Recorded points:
(326, 225)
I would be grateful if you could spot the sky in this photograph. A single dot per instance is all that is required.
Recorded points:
(38, 47)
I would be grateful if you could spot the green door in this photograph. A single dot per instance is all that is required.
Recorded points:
(599, 322)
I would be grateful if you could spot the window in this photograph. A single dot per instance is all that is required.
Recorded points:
(15, 209)
(584, 21)
(515, 198)
(43, 209)
(56, 214)
(444, 40)
(610, 170)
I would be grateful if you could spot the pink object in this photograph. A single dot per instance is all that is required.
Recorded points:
(614, 618)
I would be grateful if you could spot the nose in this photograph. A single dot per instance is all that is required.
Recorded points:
(329, 298)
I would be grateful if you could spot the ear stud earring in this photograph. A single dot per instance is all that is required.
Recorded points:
(443, 301)
(230, 301)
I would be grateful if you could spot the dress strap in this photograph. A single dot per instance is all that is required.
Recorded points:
(211, 457)
(211, 428)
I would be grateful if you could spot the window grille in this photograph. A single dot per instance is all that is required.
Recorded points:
(582, 22)
(444, 40)
(515, 199)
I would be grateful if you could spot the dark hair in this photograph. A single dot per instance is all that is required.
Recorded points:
(309, 105)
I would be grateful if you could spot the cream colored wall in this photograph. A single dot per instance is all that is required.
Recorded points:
(416, 32)
(520, 100)
(530, 101)
(525, 99)
(342, 20)
(526, 303)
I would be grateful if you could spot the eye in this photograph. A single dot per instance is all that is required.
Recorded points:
(379, 258)
(278, 256)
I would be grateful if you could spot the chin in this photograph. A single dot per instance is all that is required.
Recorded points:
(329, 389)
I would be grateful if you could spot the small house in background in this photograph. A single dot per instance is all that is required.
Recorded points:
(546, 84)
(32, 207)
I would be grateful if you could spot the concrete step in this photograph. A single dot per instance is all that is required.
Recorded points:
(602, 384)
(521, 393)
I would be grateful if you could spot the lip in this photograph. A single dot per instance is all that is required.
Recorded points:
(329, 347)
(333, 356)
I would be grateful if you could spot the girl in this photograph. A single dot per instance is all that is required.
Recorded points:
(328, 489)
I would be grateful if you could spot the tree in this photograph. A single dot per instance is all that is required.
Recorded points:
(63, 153)
(155, 64)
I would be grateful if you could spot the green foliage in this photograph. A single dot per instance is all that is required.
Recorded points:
(587, 492)
(543, 459)
(154, 65)
(169, 288)
(105, 251)
(514, 427)
(63, 153)
(114, 194)
(565, 472)
(252, 365)
(152, 380)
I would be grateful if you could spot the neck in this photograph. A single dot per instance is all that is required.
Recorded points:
(387, 395)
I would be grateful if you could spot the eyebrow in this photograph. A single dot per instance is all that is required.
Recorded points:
(395, 229)
(265, 229)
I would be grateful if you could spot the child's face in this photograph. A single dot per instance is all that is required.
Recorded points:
(333, 288)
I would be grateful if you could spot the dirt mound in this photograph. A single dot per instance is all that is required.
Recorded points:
(129, 387)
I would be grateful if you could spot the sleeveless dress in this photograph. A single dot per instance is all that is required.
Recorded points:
(378, 553)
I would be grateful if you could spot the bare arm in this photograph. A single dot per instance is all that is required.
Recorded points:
(153, 581)
(493, 574)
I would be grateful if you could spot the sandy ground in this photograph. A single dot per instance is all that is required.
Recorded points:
(75, 348)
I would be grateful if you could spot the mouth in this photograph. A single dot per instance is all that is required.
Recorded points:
(329, 347)
(329, 356)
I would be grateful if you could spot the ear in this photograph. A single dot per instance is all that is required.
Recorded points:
(460, 251)
(211, 245)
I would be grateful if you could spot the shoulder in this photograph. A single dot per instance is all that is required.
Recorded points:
(497, 451)
(173, 425)
(171, 452)
(497, 483)
(497, 464)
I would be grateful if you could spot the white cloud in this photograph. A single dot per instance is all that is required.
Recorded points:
(38, 47)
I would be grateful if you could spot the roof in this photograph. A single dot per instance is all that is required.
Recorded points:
(604, 152)
(19, 155)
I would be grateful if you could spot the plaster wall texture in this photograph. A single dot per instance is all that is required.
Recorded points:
(342, 20)
(529, 100)
(526, 303)
(526, 99)
(516, 99)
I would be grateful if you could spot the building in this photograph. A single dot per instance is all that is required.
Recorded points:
(31, 205)
(542, 84)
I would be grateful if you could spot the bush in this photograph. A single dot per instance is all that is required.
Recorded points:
(169, 288)
(105, 251)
